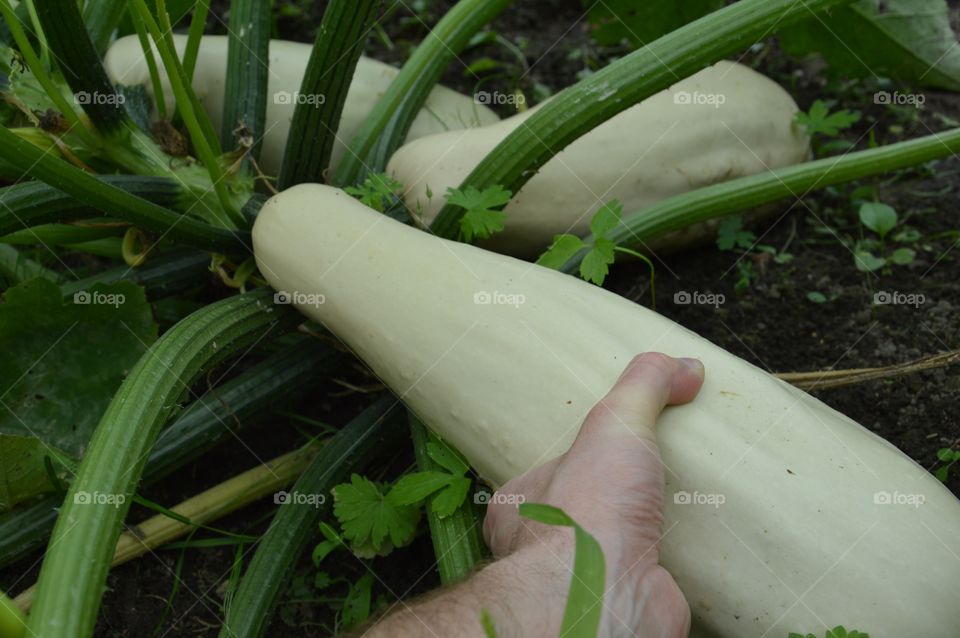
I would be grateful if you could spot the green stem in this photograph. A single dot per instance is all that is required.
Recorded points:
(336, 51)
(645, 259)
(102, 18)
(457, 541)
(155, 81)
(78, 557)
(743, 193)
(621, 84)
(293, 526)
(387, 126)
(220, 414)
(114, 201)
(198, 124)
(245, 93)
(197, 24)
(18, 268)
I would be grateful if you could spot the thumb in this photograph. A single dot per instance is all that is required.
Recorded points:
(650, 382)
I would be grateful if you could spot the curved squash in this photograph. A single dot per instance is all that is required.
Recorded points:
(504, 359)
(724, 122)
(445, 110)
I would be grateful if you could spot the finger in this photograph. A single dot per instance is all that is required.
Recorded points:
(649, 383)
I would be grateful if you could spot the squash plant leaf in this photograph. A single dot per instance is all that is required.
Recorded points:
(819, 119)
(909, 40)
(63, 360)
(447, 458)
(411, 489)
(369, 520)
(453, 495)
(482, 217)
(639, 23)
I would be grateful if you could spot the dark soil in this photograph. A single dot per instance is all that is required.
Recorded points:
(771, 322)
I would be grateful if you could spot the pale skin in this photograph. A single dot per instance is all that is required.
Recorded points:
(611, 483)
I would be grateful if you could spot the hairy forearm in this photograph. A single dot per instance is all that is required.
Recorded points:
(523, 595)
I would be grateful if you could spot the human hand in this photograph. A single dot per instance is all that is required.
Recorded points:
(611, 483)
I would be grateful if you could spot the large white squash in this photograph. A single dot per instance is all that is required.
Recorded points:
(445, 110)
(724, 122)
(820, 522)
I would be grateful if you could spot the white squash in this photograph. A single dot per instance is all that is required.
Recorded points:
(445, 110)
(724, 122)
(504, 359)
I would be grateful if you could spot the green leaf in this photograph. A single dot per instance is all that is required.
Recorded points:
(606, 218)
(946, 454)
(910, 40)
(563, 248)
(878, 217)
(489, 629)
(322, 550)
(369, 519)
(64, 361)
(356, 606)
(482, 218)
(816, 297)
(581, 618)
(819, 120)
(639, 23)
(903, 256)
(596, 264)
(730, 234)
(447, 458)
(446, 502)
(23, 471)
(377, 191)
(411, 489)
(866, 261)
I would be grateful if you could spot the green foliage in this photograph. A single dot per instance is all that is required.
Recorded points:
(731, 235)
(371, 522)
(377, 191)
(881, 219)
(820, 121)
(910, 40)
(64, 360)
(639, 23)
(949, 457)
(581, 618)
(483, 216)
(452, 485)
(601, 251)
